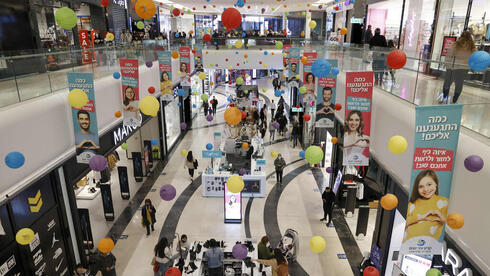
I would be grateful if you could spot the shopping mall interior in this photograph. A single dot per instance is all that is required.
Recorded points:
(244, 137)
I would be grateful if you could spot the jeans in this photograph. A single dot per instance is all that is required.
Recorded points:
(272, 135)
(279, 176)
(457, 76)
(272, 113)
(215, 271)
(295, 140)
(378, 68)
(148, 228)
(162, 268)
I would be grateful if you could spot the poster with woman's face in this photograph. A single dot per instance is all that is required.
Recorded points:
(185, 65)
(130, 92)
(233, 206)
(165, 69)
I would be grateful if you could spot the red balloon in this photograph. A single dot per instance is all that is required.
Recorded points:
(306, 117)
(176, 12)
(338, 106)
(173, 271)
(104, 3)
(370, 271)
(297, 106)
(244, 114)
(231, 18)
(230, 82)
(396, 59)
(206, 37)
(151, 89)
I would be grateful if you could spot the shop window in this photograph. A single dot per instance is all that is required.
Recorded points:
(479, 24)
(296, 26)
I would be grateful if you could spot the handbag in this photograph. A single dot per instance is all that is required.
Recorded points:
(156, 266)
(195, 164)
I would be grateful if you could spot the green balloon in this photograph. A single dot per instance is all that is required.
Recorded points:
(279, 45)
(286, 13)
(433, 272)
(66, 18)
(303, 13)
(124, 146)
(314, 155)
(204, 97)
(245, 91)
(302, 89)
(239, 80)
(140, 25)
(230, 46)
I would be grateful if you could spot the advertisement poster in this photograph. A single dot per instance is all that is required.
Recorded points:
(148, 156)
(357, 125)
(185, 66)
(130, 92)
(86, 228)
(447, 43)
(435, 144)
(123, 181)
(309, 80)
(165, 66)
(294, 55)
(137, 166)
(325, 100)
(106, 194)
(10, 262)
(285, 58)
(233, 206)
(85, 45)
(85, 118)
(198, 57)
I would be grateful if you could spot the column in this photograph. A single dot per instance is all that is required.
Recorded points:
(307, 25)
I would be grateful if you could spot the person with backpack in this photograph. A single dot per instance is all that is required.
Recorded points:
(278, 263)
(191, 164)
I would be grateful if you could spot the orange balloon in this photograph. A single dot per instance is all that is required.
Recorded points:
(145, 9)
(245, 145)
(343, 31)
(175, 54)
(389, 201)
(304, 60)
(302, 33)
(105, 245)
(245, 56)
(455, 220)
(299, 14)
(233, 116)
(117, 114)
(334, 140)
(212, 83)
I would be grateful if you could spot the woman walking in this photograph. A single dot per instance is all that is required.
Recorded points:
(272, 129)
(191, 164)
(148, 216)
(278, 263)
(163, 257)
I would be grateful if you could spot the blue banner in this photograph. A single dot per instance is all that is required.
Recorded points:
(435, 144)
(211, 154)
(325, 99)
(85, 118)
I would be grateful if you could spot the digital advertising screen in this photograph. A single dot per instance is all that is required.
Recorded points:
(336, 185)
(233, 207)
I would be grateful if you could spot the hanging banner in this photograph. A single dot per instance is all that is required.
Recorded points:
(435, 144)
(309, 80)
(185, 66)
(285, 58)
(85, 45)
(198, 57)
(165, 65)
(130, 90)
(85, 118)
(357, 123)
(325, 100)
(294, 54)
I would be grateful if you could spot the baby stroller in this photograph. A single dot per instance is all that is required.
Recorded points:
(289, 245)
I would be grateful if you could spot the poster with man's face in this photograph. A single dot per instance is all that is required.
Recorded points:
(325, 101)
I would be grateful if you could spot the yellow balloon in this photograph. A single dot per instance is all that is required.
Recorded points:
(397, 144)
(24, 236)
(317, 244)
(284, 54)
(183, 152)
(77, 98)
(238, 44)
(274, 154)
(202, 76)
(149, 105)
(312, 24)
(109, 37)
(235, 184)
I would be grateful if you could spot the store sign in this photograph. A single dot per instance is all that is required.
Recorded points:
(211, 154)
(121, 133)
(119, 2)
(354, 20)
(296, 109)
(450, 257)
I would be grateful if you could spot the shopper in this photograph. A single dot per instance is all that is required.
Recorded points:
(191, 164)
(279, 165)
(205, 106)
(278, 263)
(214, 257)
(263, 129)
(457, 69)
(148, 216)
(282, 125)
(264, 251)
(295, 133)
(183, 250)
(391, 47)
(215, 105)
(163, 256)
(81, 270)
(328, 198)
(377, 44)
(256, 116)
(368, 34)
(273, 108)
(106, 264)
(276, 82)
(272, 129)
(263, 114)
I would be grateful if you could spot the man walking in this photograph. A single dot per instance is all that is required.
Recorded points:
(273, 108)
(215, 105)
(328, 197)
(279, 164)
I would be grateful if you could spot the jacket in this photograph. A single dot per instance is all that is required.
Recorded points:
(458, 58)
(277, 270)
(189, 165)
(264, 252)
(329, 198)
(279, 164)
(152, 215)
(379, 41)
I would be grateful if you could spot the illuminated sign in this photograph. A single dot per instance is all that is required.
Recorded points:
(450, 257)
(122, 133)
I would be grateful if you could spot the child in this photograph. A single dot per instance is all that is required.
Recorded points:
(427, 210)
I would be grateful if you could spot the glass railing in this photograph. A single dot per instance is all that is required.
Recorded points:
(420, 82)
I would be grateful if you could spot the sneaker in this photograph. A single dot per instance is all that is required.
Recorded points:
(323, 219)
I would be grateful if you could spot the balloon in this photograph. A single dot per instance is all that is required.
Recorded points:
(209, 146)
(275, 125)
(235, 184)
(479, 60)
(277, 93)
(109, 37)
(176, 12)
(124, 146)
(242, 171)
(154, 142)
(24, 236)
(204, 97)
(173, 271)
(397, 144)
(151, 89)
(396, 59)
(239, 80)
(337, 106)
(314, 155)
(312, 24)
(209, 118)
(302, 34)
(104, 3)
(77, 98)
(302, 154)
(389, 201)
(343, 31)
(183, 126)
(329, 170)
(231, 18)
(183, 152)
(167, 192)
(116, 75)
(274, 154)
(304, 59)
(66, 18)
(320, 68)
(180, 92)
(317, 244)
(117, 114)
(306, 117)
(105, 245)
(279, 45)
(175, 54)
(335, 71)
(245, 145)
(233, 116)
(140, 25)
(433, 272)
(97, 163)
(149, 105)
(14, 160)
(240, 3)
(473, 163)
(206, 37)
(239, 251)
(370, 271)
(145, 9)
(335, 140)
(238, 44)
(455, 220)
(302, 89)
(202, 76)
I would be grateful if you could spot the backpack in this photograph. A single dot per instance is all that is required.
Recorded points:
(282, 270)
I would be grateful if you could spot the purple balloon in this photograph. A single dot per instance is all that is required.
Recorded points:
(209, 118)
(320, 7)
(183, 126)
(149, 64)
(473, 163)
(275, 125)
(167, 192)
(98, 163)
(239, 251)
(329, 170)
(242, 171)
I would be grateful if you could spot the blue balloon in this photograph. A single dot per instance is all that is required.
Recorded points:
(266, 53)
(194, 106)
(240, 3)
(244, 34)
(320, 68)
(209, 146)
(179, 104)
(229, 99)
(277, 93)
(479, 60)
(154, 142)
(116, 75)
(302, 154)
(14, 160)
(177, 34)
(180, 92)
(236, 53)
(335, 71)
